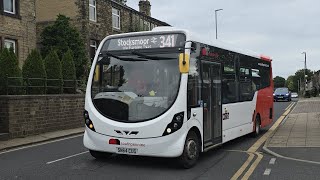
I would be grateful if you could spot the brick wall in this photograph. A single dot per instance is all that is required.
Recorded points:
(30, 115)
(20, 28)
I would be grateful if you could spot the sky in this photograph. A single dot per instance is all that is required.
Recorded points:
(281, 29)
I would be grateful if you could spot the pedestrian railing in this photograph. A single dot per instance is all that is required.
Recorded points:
(19, 85)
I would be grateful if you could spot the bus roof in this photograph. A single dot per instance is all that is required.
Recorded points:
(194, 37)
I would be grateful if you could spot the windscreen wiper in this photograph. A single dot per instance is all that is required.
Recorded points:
(134, 52)
(105, 53)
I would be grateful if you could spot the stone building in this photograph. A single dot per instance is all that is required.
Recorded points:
(18, 26)
(96, 19)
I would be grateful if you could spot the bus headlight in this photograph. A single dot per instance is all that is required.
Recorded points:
(175, 124)
(87, 121)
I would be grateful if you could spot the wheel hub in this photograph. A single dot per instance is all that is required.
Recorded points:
(192, 149)
(257, 128)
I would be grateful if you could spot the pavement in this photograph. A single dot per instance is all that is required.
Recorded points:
(298, 137)
(30, 140)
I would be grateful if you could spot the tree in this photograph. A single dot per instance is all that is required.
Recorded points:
(68, 71)
(61, 36)
(290, 84)
(299, 78)
(54, 73)
(9, 68)
(34, 68)
(279, 81)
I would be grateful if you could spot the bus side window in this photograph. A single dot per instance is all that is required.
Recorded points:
(246, 87)
(229, 90)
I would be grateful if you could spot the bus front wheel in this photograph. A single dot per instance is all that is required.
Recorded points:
(99, 155)
(191, 151)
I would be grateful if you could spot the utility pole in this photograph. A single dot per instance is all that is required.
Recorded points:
(305, 71)
(215, 12)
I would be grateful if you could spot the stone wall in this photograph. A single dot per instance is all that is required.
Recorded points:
(48, 10)
(130, 19)
(21, 28)
(22, 116)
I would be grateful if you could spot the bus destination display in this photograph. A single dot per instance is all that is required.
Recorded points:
(146, 42)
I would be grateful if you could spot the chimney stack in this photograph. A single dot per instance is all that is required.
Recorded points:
(145, 7)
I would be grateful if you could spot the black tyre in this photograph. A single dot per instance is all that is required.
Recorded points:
(99, 155)
(257, 127)
(191, 151)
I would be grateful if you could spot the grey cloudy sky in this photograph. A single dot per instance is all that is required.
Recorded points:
(281, 29)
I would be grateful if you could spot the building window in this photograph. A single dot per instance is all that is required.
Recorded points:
(116, 18)
(146, 26)
(93, 48)
(10, 44)
(92, 10)
(9, 6)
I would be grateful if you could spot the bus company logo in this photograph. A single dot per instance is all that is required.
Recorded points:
(205, 51)
(128, 133)
(263, 65)
(226, 114)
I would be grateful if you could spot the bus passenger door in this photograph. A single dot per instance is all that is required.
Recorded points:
(212, 108)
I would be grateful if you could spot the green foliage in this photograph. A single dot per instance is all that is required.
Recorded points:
(299, 78)
(9, 68)
(61, 36)
(54, 73)
(34, 68)
(314, 92)
(290, 84)
(68, 71)
(279, 81)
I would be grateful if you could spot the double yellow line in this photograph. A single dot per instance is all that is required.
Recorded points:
(252, 151)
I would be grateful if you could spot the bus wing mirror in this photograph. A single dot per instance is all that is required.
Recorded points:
(184, 60)
(193, 46)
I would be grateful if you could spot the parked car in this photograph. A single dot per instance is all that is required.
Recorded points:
(282, 94)
(294, 95)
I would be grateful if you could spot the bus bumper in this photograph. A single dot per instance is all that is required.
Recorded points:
(165, 146)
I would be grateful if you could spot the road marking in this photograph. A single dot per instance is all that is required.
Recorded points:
(267, 172)
(256, 146)
(290, 106)
(272, 160)
(243, 167)
(253, 166)
(289, 158)
(39, 144)
(67, 157)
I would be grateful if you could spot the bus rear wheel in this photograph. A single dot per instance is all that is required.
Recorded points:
(99, 155)
(191, 151)
(257, 127)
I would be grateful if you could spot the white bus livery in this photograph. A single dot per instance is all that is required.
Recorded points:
(166, 93)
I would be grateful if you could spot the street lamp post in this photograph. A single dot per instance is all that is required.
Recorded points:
(305, 71)
(215, 12)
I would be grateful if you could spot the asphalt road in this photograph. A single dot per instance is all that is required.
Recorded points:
(68, 159)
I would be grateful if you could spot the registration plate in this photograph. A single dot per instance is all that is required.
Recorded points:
(122, 150)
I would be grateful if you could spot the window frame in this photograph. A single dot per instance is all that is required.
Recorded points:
(118, 16)
(94, 6)
(14, 42)
(14, 7)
